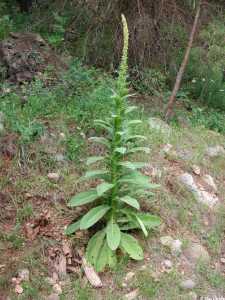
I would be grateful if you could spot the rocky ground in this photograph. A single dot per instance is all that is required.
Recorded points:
(184, 259)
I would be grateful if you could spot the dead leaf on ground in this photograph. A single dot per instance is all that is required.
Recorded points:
(91, 275)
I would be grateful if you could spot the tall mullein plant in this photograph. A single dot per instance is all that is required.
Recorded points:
(121, 184)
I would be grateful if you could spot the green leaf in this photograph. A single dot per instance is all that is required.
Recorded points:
(131, 201)
(105, 125)
(100, 140)
(139, 149)
(121, 150)
(132, 165)
(72, 228)
(93, 216)
(142, 225)
(83, 198)
(131, 246)
(94, 159)
(113, 235)
(138, 179)
(95, 174)
(94, 247)
(135, 137)
(104, 187)
(150, 221)
(130, 109)
(134, 122)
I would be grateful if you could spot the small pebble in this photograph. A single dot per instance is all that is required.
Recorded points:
(57, 289)
(187, 284)
(54, 177)
(168, 263)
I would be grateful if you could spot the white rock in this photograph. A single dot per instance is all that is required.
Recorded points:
(54, 177)
(196, 252)
(168, 263)
(210, 181)
(214, 151)
(198, 192)
(167, 148)
(188, 180)
(57, 289)
(159, 125)
(18, 289)
(24, 275)
(132, 295)
(129, 276)
(188, 284)
(166, 240)
(193, 296)
(53, 297)
(174, 245)
(208, 199)
(196, 170)
(222, 260)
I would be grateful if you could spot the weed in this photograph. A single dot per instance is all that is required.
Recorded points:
(24, 213)
(119, 207)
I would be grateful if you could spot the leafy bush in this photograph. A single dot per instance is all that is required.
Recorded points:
(118, 210)
(148, 81)
(5, 26)
(204, 76)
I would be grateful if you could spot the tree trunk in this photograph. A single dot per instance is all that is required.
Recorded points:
(176, 88)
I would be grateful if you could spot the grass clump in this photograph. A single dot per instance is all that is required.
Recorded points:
(121, 183)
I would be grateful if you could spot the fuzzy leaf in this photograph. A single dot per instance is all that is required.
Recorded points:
(150, 221)
(134, 122)
(130, 201)
(100, 140)
(139, 149)
(113, 235)
(121, 150)
(130, 109)
(93, 216)
(104, 125)
(94, 246)
(72, 228)
(133, 165)
(83, 198)
(94, 159)
(106, 257)
(142, 225)
(95, 174)
(104, 187)
(135, 137)
(138, 179)
(131, 246)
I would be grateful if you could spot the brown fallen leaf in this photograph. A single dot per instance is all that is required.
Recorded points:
(91, 275)
(60, 266)
(66, 248)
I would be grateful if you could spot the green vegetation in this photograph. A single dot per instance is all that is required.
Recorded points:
(93, 117)
(118, 205)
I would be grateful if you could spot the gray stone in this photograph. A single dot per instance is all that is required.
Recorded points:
(210, 181)
(196, 252)
(168, 263)
(198, 192)
(193, 296)
(53, 297)
(159, 126)
(132, 295)
(188, 284)
(214, 151)
(24, 274)
(54, 177)
(175, 246)
(59, 157)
